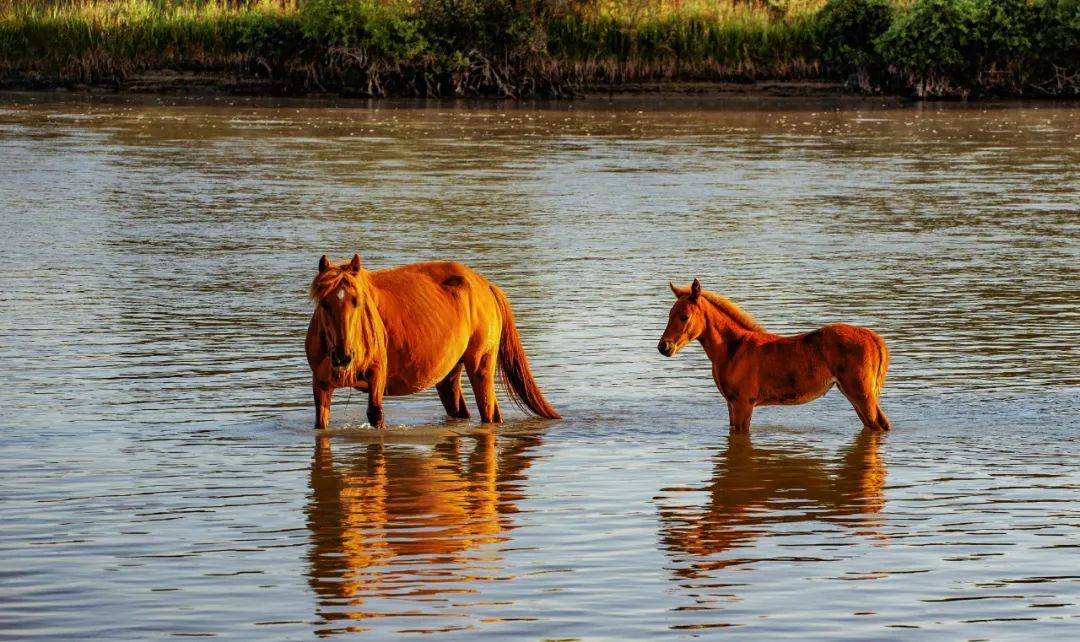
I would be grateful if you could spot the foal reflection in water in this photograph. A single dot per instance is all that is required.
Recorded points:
(752, 367)
(754, 490)
(411, 520)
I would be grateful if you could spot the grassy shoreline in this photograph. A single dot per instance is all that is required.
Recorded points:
(543, 48)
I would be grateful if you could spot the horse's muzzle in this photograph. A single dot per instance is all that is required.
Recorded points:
(665, 348)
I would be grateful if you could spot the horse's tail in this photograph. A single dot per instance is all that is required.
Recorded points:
(514, 367)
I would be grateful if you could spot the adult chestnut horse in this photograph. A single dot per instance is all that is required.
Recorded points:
(401, 330)
(753, 367)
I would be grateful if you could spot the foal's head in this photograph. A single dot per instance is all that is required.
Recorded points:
(686, 321)
(337, 290)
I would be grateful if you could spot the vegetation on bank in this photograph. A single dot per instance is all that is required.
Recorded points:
(549, 47)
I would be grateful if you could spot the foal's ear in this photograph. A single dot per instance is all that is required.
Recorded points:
(678, 291)
(695, 290)
(324, 264)
(354, 265)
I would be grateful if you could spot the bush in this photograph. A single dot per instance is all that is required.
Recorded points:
(933, 41)
(496, 27)
(1008, 29)
(846, 31)
(955, 47)
(1058, 27)
(269, 34)
(383, 28)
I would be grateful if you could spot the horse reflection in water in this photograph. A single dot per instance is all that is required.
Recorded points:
(399, 529)
(754, 490)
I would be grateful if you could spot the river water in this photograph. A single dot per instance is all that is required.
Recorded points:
(159, 476)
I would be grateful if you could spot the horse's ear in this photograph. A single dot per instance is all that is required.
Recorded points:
(695, 290)
(679, 291)
(354, 265)
(324, 264)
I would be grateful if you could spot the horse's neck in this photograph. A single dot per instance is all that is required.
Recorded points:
(721, 336)
(373, 323)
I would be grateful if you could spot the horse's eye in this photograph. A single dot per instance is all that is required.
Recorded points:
(685, 317)
(325, 304)
(354, 301)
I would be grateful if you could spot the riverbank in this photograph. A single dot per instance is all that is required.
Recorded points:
(545, 48)
(195, 84)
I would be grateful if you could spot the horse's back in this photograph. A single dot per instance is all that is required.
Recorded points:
(845, 336)
(436, 273)
(434, 312)
(844, 347)
(431, 287)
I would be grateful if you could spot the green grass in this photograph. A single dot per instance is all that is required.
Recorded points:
(702, 41)
(550, 47)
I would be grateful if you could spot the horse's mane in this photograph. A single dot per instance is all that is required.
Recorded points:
(329, 280)
(368, 335)
(732, 311)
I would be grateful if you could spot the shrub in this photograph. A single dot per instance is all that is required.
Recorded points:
(383, 28)
(268, 33)
(933, 41)
(1058, 26)
(846, 30)
(1057, 49)
(1008, 28)
(496, 27)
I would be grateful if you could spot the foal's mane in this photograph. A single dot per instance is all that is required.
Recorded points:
(728, 308)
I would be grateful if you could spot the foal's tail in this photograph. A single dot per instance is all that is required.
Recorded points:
(514, 367)
(883, 364)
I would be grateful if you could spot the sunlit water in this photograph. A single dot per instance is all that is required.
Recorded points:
(158, 472)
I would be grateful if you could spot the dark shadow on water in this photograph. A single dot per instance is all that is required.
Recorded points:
(402, 523)
(756, 490)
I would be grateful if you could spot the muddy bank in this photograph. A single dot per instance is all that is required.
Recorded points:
(182, 83)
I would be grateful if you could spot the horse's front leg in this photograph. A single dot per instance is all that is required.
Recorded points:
(739, 413)
(323, 392)
(376, 380)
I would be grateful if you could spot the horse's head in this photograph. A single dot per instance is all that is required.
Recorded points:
(686, 321)
(337, 292)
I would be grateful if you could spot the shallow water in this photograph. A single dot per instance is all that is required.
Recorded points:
(159, 476)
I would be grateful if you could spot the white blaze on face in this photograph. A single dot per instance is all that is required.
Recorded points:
(341, 294)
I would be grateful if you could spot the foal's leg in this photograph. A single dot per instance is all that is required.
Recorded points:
(883, 422)
(323, 393)
(481, 370)
(739, 413)
(859, 390)
(450, 394)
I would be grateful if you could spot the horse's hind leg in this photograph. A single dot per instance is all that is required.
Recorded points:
(450, 394)
(481, 371)
(860, 392)
(883, 422)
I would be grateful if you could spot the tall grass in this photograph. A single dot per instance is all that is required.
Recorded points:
(692, 40)
(550, 47)
(96, 40)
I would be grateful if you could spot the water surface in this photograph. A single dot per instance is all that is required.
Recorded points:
(159, 476)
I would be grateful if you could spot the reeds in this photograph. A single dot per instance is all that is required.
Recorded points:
(687, 41)
(97, 41)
